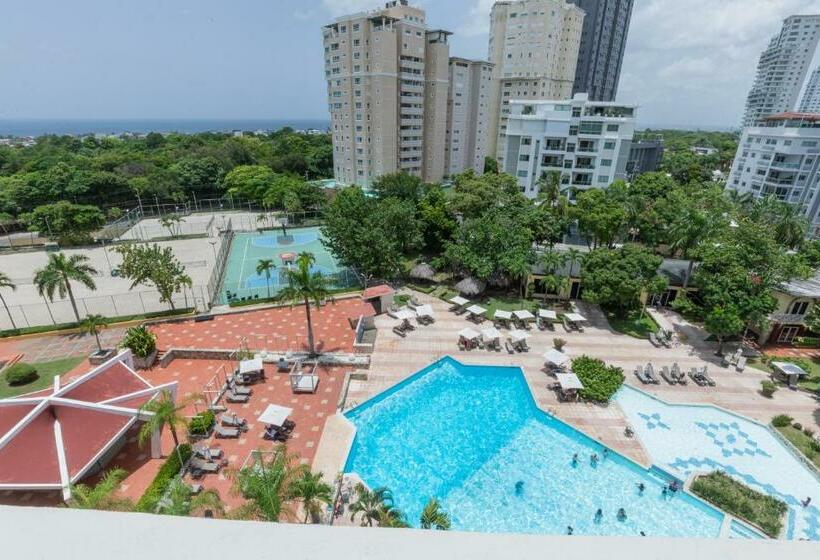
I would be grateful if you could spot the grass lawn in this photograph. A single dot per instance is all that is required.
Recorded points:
(812, 366)
(633, 325)
(804, 443)
(46, 371)
(738, 499)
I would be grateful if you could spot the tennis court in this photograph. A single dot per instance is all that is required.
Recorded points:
(241, 280)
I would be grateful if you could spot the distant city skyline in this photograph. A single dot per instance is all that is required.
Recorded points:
(686, 63)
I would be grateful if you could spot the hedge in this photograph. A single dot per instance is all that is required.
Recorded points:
(20, 374)
(806, 342)
(600, 381)
(741, 501)
(170, 469)
(782, 420)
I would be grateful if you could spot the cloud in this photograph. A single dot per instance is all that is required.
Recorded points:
(477, 21)
(343, 7)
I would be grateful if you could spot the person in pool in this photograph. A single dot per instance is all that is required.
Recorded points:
(622, 514)
(575, 460)
(570, 530)
(641, 488)
(519, 487)
(673, 486)
(593, 459)
(599, 515)
(606, 452)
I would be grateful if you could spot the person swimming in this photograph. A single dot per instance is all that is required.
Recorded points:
(806, 502)
(673, 486)
(570, 530)
(575, 460)
(606, 452)
(593, 459)
(519, 487)
(621, 514)
(599, 515)
(665, 492)
(641, 488)
(643, 534)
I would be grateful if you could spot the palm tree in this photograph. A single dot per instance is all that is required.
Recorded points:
(180, 500)
(57, 275)
(306, 286)
(269, 486)
(370, 504)
(692, 229)
(101, 495)
(93, 324)
(313, 492)
(791, 224)
(432, 517)
(171, 222)
(166, 412)
(5, 282)
(265, 266)
(393, 517)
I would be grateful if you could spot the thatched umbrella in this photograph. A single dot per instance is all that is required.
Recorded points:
(470, 286)
(423, 271)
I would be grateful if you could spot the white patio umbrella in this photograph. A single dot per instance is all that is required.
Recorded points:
(548, 314)
(458, 300)
(519, 335)
(476, 310)
(424, 311)
(555, 357)
(490, 333)
(524, 315)
(404, 314)
(469, 334)
(501, 314)
(575, 317)
(569, 381)
(275, 415)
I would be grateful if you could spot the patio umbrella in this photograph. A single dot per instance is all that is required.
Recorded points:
(275, 415)
(555, 357)
(404, 314)
(575, 317)
(424, 311)
(460, 301)
(524, 315)
(501, 314)
(469, 334)
(490, 333)
(569, 381)
(476, 310)
(423, 271)
(547, 314)
(470, 286)
(518, 335)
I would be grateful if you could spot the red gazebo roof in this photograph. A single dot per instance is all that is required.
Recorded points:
(51, 438)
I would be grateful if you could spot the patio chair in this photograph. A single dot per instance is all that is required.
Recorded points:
(695, 376)
(232, 397)
(236, 389)
(649, 372)
(461, 345)
(221, 432)
(203, 466)
(508, 345)
(399, 331)
(665, 338)
(653, 338)
(741, 364)
(207, 453)
(413, 303)
(704, 373)
(275, 434)
(232, 420)
(524, 346)
(640, 375)
(282, 365)
(667, 376)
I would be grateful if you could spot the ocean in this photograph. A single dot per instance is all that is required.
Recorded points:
(40, 127)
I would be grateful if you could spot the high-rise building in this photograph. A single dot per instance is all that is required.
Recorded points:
(586, 142)
(387, 77)
(603, 40)
(780, 156)
(533, 47)
(468, 115)
(782, 68)
(810, 102)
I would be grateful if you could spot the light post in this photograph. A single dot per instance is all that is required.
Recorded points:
(213, 247)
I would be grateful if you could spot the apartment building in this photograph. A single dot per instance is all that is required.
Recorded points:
(782, 68)
(645, 156)
(387, 76)
(468, 115)
(810, 102)
(603, 41)
(780, 156)
(533, 46)
(587, 142)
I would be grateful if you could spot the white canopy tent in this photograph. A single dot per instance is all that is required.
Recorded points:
(469, 334)
(424, 311)
(569, 381)
(460, 301)
(275, 415)
(524, 315)
(476, 310)
(555, 357)
(489, 334)
(519, 335)
(548, 314)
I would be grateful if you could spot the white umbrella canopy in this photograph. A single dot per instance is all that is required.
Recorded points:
(519, 335)
(490, 333)
(424, 310)
(404, 314)
(275, 415)
(575, 317)
(547, 314)
(458, 300)
(569, 381)
(476, 310)
(524, 315)
(501, 314)
(555, 357)
(469, 334)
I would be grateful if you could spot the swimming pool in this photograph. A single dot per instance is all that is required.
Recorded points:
(247, 249)
(468, 434)
(691, 438)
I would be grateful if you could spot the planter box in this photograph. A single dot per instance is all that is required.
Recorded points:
(97, 357)
(146, 362)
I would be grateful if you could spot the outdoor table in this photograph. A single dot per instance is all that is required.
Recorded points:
(569, 381)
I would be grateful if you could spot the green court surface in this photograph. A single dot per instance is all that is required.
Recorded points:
(241, 280)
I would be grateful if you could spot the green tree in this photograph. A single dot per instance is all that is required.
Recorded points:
(251, 182)
(812, 319)
(370, 505)
(437, 222)
(400, 185)
(198, 174)
(305, 286)
(171, 222)
(265, 266)
(179, 500)
(269, 486)
(58, 274)
(93, 324)
(68, 223)
(490, 165)
(723, 322)
(165, 411)
(154, 265)
(432, 517)
(101, 496)
(601, 219)
(6, 282)
(313, 492)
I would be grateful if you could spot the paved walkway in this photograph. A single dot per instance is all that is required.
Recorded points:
(396, 358)
(50, 347)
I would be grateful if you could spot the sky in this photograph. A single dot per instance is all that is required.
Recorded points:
(687, 62)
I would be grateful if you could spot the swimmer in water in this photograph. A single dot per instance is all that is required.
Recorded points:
(621, 514)
(641, 488)
(599, 515)
(519, 487)
(575, 460)
(570, 530)
(593, 459)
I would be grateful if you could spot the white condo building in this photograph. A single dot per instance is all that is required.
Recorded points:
(587, 142)
(468, 115)
(533, 47)
(782, 68)
(780, 156)
(810, 102)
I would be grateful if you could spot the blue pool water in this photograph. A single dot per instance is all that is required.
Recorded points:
(468, 434)
(690, 438)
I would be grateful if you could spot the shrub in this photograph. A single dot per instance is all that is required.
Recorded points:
(21, 374)
(808, 432)
(600, 381)
(797, 426)
(170, 469)
(140, 341)
(559, 343)
(768, 388)
(738, 499)
(782, 420)
(201, 424)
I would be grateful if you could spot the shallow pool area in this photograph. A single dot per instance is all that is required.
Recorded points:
(690, 438)
(473, 437)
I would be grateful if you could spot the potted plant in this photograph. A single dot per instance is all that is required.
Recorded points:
(559, 343)
(143, 346)
(768, 388)
(93, 324)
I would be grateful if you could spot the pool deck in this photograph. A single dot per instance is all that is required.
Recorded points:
(396, 358)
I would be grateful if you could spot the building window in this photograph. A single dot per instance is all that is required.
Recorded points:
(606, 163)
(612, 128)
(609, 145)
(523, 173)
(799, 308)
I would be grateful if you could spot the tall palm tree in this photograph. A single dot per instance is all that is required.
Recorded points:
(313, 492)
(306, 286)
(57, 275)
(370, 504)
(432, 517)
(265, 266)
(790, 224)
(166, 412)
(5, 282)
(101, 495)
(93, 324)
(692, 229)
(393, 517)
(171, 222)
(180, 500)
(269, 486)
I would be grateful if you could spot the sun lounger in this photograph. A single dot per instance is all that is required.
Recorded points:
(226, 433)
(231, 420)
(275, 434)
(399, 332)
(204, 466)
(704, 374)
(232, 397)
(509, 346)
(741, 364)
(667, 376)
(653, 338)
(207, 453)
(236, 389)
(640, 375)
(649, 372)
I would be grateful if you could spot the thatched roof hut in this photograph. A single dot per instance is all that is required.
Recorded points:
(470, 286)
(423, 271)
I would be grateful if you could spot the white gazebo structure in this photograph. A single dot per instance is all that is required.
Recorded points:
(791, 371)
